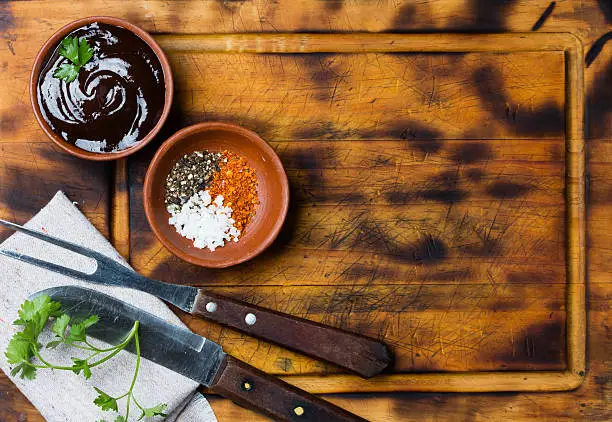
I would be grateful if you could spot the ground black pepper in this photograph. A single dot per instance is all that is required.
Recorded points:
(191, 173)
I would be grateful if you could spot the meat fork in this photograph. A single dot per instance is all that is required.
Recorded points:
(359, 354)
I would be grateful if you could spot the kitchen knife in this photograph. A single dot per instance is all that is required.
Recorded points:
(359, 354)
(195, 357)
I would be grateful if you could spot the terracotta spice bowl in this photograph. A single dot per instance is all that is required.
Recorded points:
(273, 192)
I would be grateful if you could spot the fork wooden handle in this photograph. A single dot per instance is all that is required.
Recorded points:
(359, 354)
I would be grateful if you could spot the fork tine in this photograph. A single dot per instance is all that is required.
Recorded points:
(52, 239)
(45, 264)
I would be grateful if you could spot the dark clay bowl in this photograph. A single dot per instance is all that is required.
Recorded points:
(47, 50)
(273, 192)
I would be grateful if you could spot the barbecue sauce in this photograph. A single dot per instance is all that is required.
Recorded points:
(117, 97)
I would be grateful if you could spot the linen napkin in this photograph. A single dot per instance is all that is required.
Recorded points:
(63, 395)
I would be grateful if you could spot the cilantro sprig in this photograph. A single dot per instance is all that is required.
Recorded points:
(23, 351)
(78, 52)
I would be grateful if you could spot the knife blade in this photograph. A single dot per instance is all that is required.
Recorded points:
(195, 357)
(117, 319)
(357, 353)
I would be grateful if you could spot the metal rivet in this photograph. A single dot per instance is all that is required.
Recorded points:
(250, 319)
(211, 306)
(246, 385)
(299, 410)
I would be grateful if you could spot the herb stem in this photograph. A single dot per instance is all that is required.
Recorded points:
(89, 349)
(119, 347)
(137, 343)
(92, 356)
(127, 406)
(98, 349)
(137, 404)
(131, 390)
(24, 350)
(115, 350)
(32, 365)
(48, 365)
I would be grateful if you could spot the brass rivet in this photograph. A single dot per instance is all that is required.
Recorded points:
(246, 385)
(299, 410)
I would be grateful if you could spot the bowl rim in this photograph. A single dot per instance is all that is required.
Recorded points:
(204, 127)
(54, 40)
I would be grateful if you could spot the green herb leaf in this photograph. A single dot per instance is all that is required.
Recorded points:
(60, 325)
(38, 310)
(18, 351)
(16, 370)
(69, 48)
(104, 401)
(24, 346)
(27, 371)
(85, 52)
(81, 365)
(67, 72)
(154, 411)
(29, 334)
(78, 52)
(91, 320)
(19, 321)
(86, 371)
(53, 344)
(78, 332)
(33, 316)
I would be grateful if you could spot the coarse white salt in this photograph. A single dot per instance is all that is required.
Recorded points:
(208, 223)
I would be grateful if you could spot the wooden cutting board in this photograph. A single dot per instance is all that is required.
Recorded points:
(437, 200)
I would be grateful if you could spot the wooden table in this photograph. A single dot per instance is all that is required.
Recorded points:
(38, 169)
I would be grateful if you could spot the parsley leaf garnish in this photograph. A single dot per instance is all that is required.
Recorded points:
(78, 52)
(154, 411)
(85, 51)
(67, 72)
(23, 350)
(60, 325)
(77, 331)
(27, 372)
(104, 401)
(18, 350)
(81, 365)
(69, 48)
(38, 311)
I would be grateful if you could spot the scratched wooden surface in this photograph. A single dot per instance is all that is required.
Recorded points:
(440, 229)
(422, 232)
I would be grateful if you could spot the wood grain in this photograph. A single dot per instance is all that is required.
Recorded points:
(24, 29)
(31, 172)
(387, 95)
(120, 227)
(437, 206)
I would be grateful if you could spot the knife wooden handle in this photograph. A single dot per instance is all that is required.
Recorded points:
(365, 356)
(252, 388)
